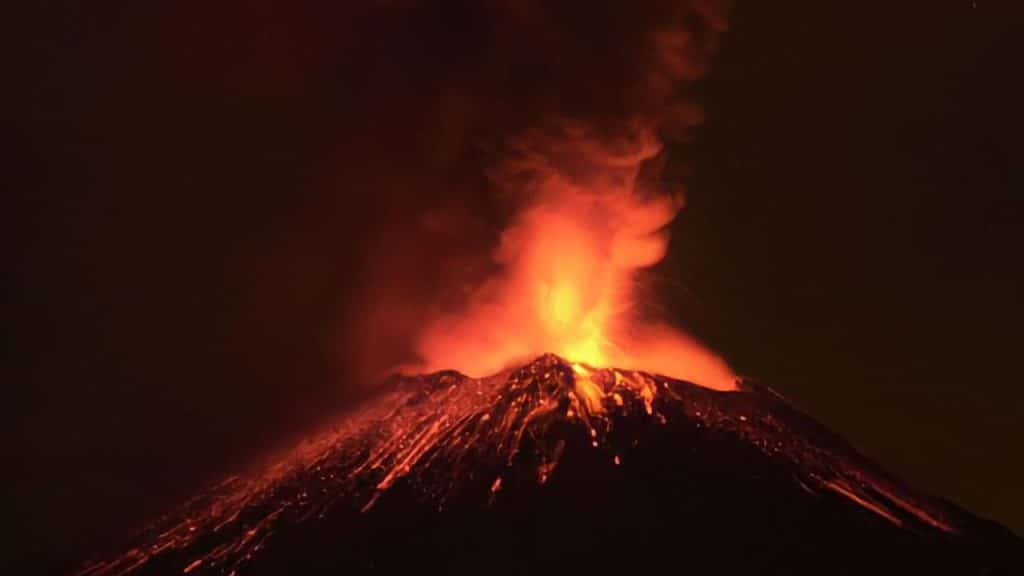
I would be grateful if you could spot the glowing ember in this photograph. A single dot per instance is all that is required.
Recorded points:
(447, 434)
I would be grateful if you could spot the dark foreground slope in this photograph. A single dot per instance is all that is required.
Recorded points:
(556, 468)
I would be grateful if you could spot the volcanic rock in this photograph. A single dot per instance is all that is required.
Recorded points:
(562, 468)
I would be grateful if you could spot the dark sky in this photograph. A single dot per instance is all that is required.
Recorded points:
(216, 194)
(854, 234)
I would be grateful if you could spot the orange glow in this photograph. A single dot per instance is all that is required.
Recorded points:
(569, 262)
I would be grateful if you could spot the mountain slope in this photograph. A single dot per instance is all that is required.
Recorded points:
(558, 467)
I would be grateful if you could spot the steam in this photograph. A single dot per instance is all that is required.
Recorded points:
(590, 213)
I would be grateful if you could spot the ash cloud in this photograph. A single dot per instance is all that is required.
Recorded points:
(547, 115)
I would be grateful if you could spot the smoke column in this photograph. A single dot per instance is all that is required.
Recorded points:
(575, 104)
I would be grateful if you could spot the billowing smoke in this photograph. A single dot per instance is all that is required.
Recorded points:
(573, 113)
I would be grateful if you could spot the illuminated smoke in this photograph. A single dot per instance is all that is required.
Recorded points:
(590, 214)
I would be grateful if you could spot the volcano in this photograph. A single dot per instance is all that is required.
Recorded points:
(559, 467)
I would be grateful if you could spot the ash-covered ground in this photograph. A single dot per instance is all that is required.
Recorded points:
(558, 467)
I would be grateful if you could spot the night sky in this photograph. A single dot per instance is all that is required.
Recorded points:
(215, 197)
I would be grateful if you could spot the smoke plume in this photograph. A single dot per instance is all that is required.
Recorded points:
(572, 107)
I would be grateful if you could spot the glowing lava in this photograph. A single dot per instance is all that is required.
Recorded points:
(444, 435)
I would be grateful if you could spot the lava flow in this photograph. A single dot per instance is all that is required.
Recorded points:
(444, 460)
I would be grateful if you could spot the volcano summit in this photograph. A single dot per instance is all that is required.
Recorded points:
(557, 467)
